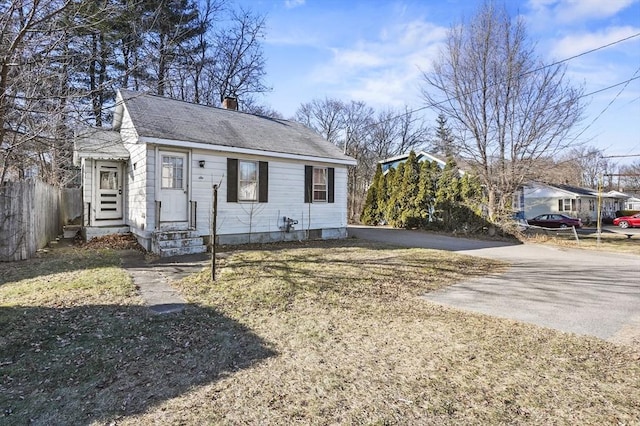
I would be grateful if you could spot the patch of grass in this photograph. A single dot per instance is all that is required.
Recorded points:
(612, 242)
(358, 346)
(68, 276)
(322, 333)
(78, 347)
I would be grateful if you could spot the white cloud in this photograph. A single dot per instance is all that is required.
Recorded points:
(384, 71)
(290, 4)
(566, 11)
(577, 43)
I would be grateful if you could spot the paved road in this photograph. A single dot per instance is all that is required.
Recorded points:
(586, 292)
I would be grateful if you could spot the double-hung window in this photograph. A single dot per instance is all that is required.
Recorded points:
(319, 184)
(566, 205)
(247, 181)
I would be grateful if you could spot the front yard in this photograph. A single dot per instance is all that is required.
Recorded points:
(320, 333)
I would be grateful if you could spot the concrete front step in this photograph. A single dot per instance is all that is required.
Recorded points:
(181, 251)
(174, 235)
(182, 242)
(168, 243)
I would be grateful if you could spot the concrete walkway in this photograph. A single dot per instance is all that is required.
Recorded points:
(153, 278)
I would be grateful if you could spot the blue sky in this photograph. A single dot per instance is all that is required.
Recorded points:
(374, 51)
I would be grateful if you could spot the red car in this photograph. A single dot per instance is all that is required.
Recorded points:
(627, 221)
(555, 220)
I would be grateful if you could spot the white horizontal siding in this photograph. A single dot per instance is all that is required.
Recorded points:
(137, 192)
(128, 132)
(286, 197)
(87, 189)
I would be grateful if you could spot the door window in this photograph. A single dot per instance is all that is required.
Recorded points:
(172, 172)
(108, 179)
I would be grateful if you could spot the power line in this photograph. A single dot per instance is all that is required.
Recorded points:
(612, 86)
(625, 83)
(604, 46)
(621, 156)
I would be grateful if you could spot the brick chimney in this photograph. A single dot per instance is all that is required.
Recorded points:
(230, 102)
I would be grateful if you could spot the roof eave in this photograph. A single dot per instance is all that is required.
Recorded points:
(347, 161)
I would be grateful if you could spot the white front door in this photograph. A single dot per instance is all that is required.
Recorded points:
(173, 187)
(109, 190)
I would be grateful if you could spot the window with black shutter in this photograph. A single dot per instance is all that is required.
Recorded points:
(247, 181)
(319, 184)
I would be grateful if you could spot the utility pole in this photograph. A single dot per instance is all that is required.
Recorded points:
(213, 232)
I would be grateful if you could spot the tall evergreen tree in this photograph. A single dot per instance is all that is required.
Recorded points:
(448, 195)
(394, 189)
(429, 172)
(173, 28)
(408, 193)
(371, 212)
(443, 143)
(383, 196)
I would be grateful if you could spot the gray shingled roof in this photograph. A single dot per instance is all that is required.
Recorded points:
(99, 144)
(164, 118)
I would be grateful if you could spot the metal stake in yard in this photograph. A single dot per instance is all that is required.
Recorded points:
(213, 232)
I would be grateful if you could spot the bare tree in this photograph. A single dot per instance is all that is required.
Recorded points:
(32, 92)
(325, 116)
(364, 135)
(592, 165)
(630, 177)
(508, 106)
(358, 119)
(239, 63)
(250, 105)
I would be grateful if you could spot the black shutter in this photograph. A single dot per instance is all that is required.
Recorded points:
(263, 182)
(232, 180)
(308, 184)
(330, 184)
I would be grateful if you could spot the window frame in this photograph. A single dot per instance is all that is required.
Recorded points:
(566, 204)
(309, 184)
(318, 187)
(173, 177)
(255, 181)
(233, 181)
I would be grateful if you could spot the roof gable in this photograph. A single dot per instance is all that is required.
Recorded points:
(172, 120)
(394, 162)
(99, 144)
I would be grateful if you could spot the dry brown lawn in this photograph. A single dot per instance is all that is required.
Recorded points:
(606, 241)
(324, 333)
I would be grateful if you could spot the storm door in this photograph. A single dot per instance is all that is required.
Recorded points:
(109, 190)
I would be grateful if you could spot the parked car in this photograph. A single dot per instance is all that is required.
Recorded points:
(627, 221)
(555, 220)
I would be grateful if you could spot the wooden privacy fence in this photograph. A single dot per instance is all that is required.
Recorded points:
(32, 213)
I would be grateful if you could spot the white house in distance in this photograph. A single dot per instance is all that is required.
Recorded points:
(540, 198)
(153, 175)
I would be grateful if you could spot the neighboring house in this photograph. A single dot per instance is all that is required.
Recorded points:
(153, 175)
(393, 162)
(539, 198)
(632, 203)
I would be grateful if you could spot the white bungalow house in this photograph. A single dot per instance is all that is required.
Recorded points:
(154, 172)
(540, 198)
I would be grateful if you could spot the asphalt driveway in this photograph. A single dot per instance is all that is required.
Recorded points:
(580, 291)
